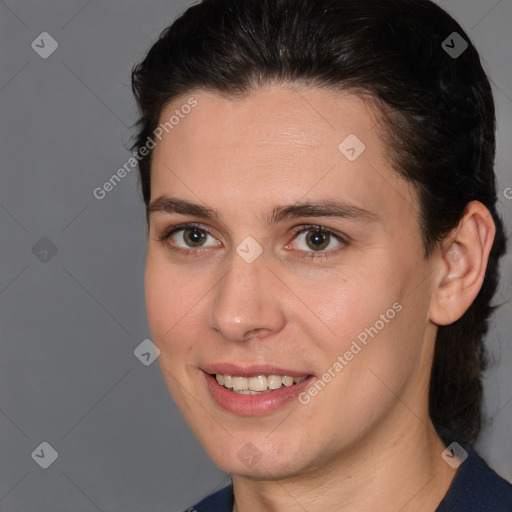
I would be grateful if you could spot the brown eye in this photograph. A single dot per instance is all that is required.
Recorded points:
(184, 238)
(194, 237)
(318, 240)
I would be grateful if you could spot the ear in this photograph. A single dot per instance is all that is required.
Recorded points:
(462, 262)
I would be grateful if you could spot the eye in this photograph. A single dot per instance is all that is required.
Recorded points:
(184, 237)
(311, 241)
(318, 239)
(192, 237)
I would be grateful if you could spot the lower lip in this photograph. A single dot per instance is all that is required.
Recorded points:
(254, 405)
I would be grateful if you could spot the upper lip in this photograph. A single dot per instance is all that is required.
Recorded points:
(250, 370)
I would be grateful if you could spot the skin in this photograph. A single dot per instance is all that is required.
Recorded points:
(368, 431)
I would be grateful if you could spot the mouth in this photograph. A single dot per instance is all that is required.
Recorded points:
(256, 385)
(254, 391)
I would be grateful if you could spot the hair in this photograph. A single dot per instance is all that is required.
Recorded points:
(437, 111)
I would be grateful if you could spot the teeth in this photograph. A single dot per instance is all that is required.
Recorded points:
(240, 383)
(274, 381)
(287, 381)
(258, 384)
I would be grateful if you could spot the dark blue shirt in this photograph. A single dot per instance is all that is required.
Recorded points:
(475, 487)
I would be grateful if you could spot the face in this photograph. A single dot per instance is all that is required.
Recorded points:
(279, 249)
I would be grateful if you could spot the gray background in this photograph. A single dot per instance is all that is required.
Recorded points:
(70, 321)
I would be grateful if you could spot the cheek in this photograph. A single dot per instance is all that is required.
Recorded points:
(168, 304)
(364, 318)
(170, 298)
(340, 306)
(159, 300)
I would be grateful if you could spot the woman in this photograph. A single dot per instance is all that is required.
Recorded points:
(323, 247)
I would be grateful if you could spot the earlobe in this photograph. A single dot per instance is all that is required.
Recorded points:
(462, 261)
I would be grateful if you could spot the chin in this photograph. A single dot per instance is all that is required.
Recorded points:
(272, 461)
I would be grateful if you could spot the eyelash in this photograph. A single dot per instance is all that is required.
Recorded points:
(164, 237)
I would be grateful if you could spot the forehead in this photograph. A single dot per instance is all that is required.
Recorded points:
(290, 116)
(277, 145)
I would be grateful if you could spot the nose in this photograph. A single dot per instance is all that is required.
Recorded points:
(246, 302)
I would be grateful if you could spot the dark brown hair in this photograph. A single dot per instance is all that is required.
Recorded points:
(437, 107)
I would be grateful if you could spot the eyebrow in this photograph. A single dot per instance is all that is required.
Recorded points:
(320, 208)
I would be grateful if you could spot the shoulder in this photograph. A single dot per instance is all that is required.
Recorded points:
(475, 487)
(220, 501)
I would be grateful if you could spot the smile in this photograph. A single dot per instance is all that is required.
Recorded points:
(255, 390)
(258, 384)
